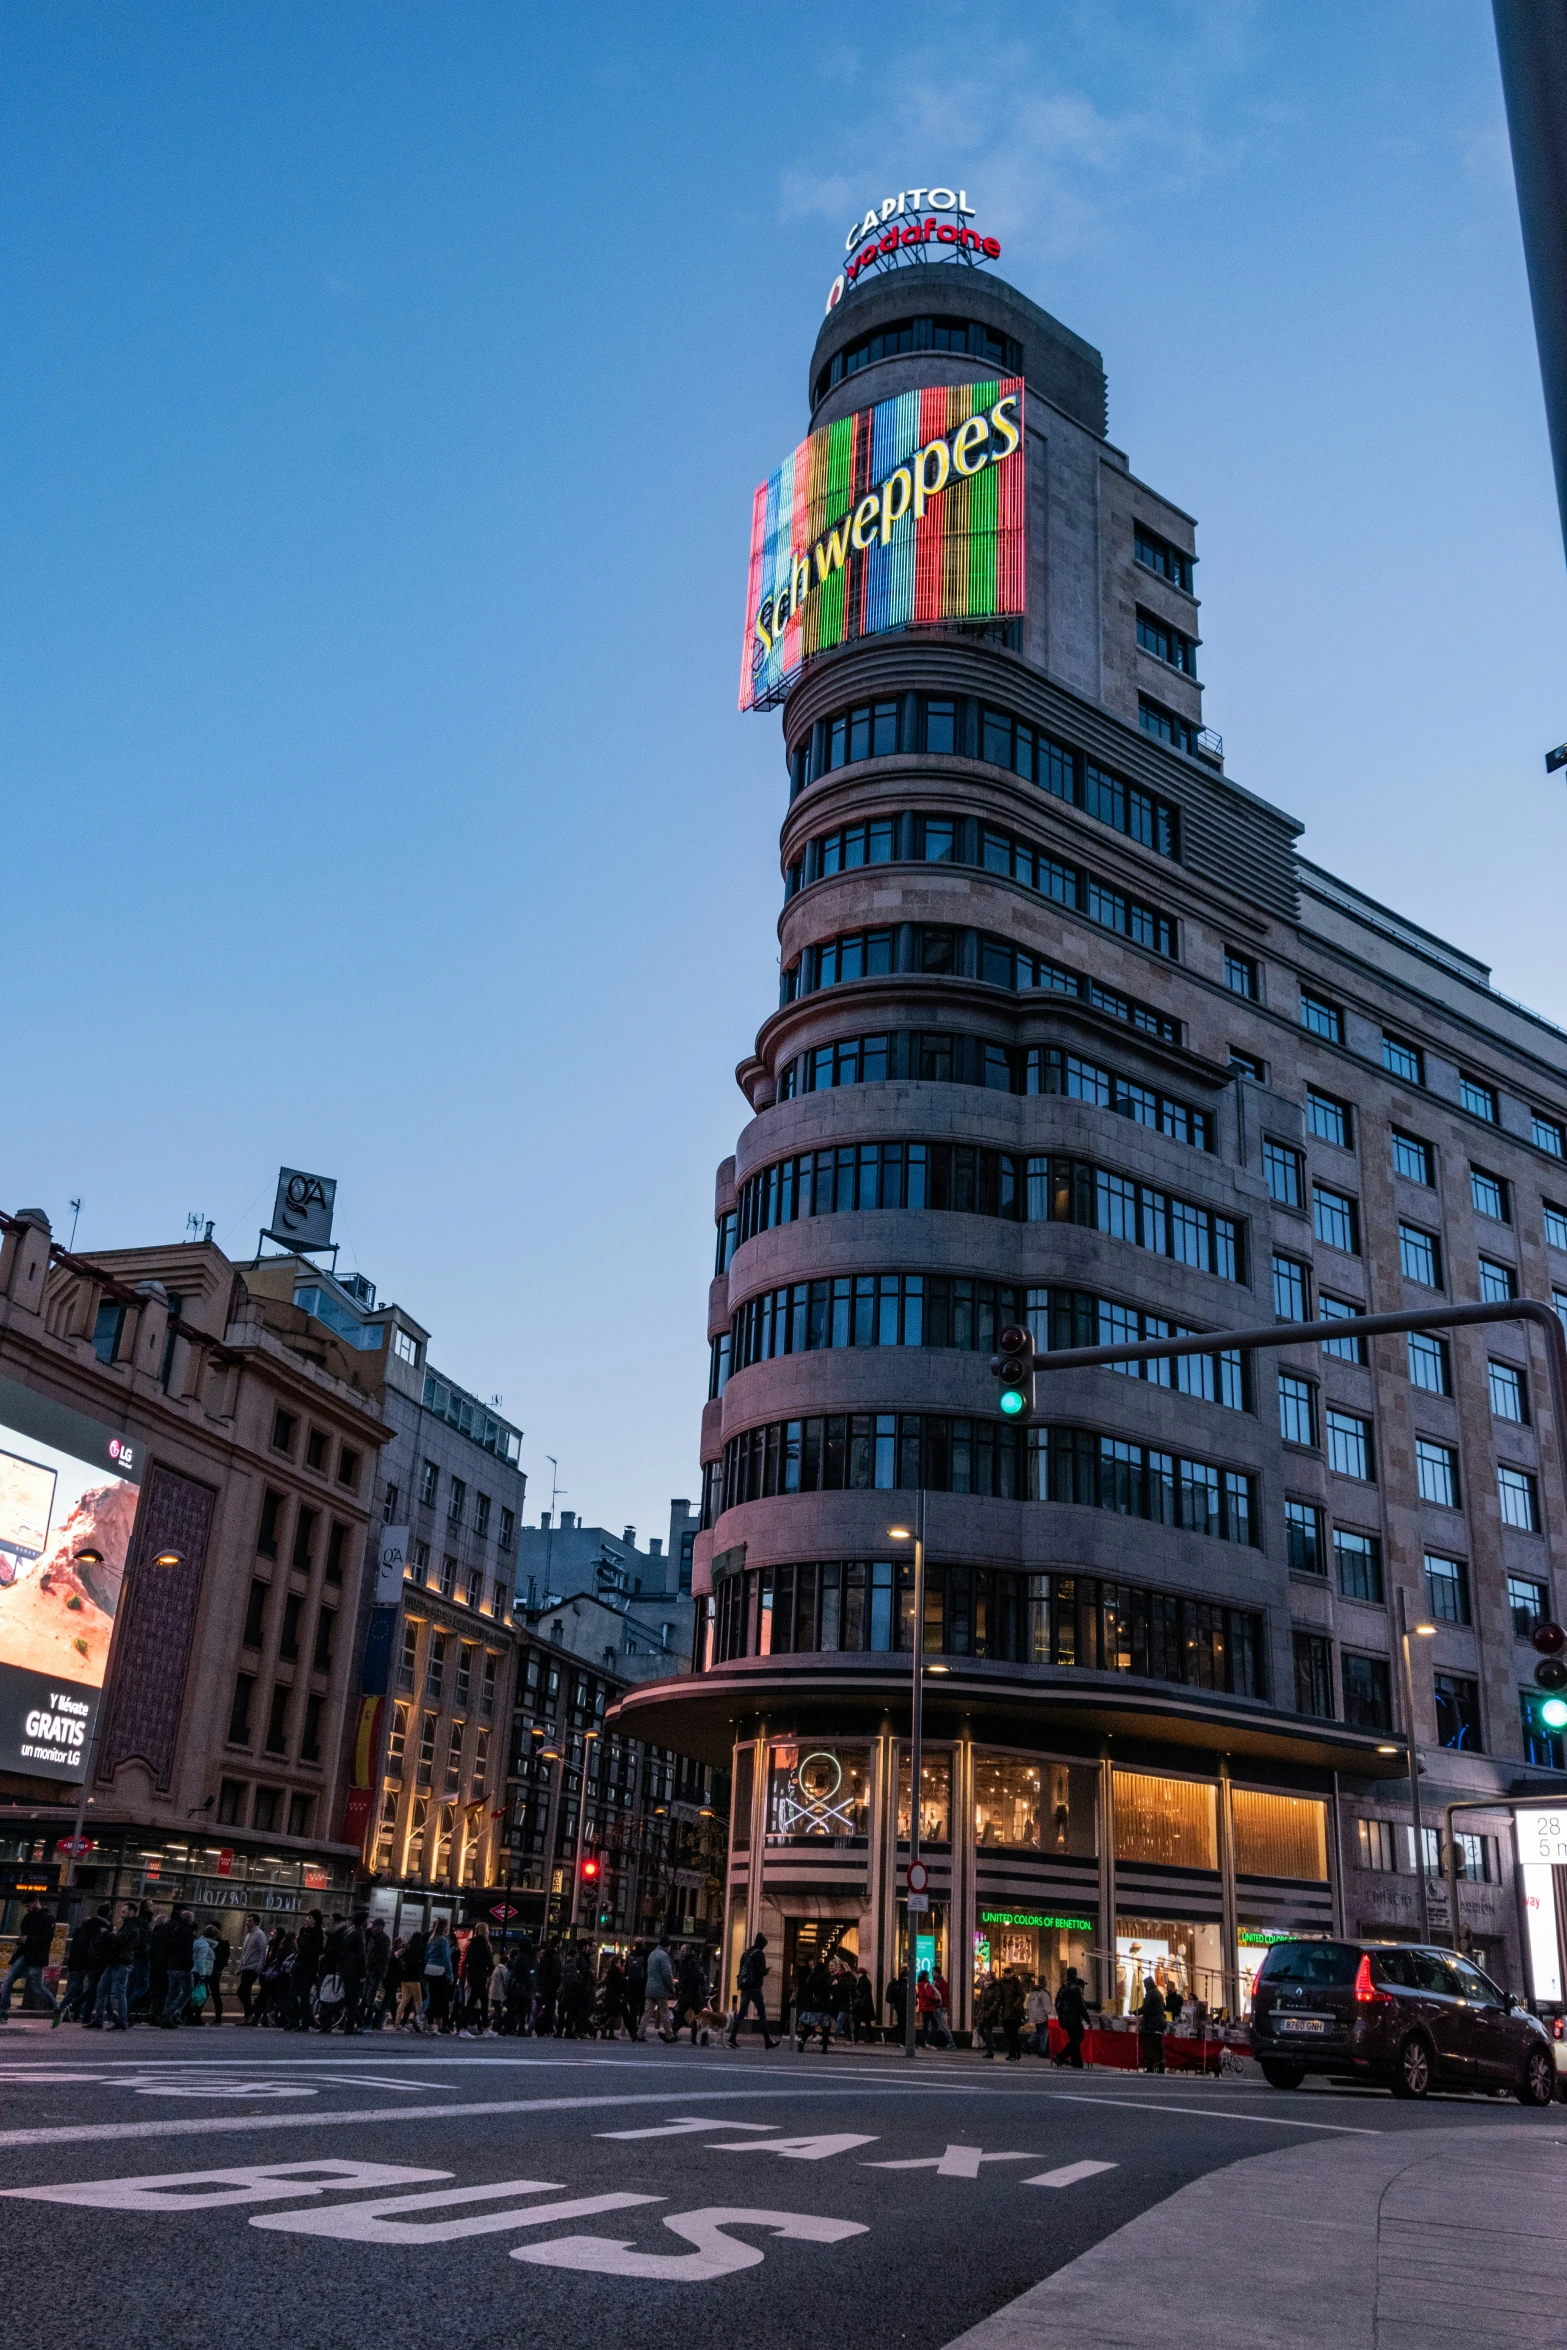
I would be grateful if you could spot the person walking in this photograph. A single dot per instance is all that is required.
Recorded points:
(220, 1960)
(815, 2006)
(1072, 2016)
(691, 1993)
(391, 1987)
(439, 1976)
(378, 1957)
(863, 2006)
(843, 2001)
(750, 1988)
(478, 1965)
(306, 1971)
(636, 1990)
(81, 1978)
(252, 1958)
(140, 1922)
(116, 1949)
(158, 1931)
(203, 1956)
(987, 2017)
(275, 1992)
(1012, 2010)
(34, 1942)
(660, 1989)
(547, 1978)
(896, 2001)
(519, 1989)
(410, 1998)
(614, 1995)
(943, 2007)
(1153, 2018)
(179, 1967)
(927, 2008)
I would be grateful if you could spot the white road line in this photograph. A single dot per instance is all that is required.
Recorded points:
(373, 2081)
(684, 2126)
(958, 2162)
(1223, 2113)
(1069, 2174)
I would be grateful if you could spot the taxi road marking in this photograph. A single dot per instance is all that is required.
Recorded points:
(683, 2126)
(958, 2162)
(1069, 2174)
(815, 2149)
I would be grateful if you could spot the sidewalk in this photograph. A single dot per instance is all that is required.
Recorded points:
(1419, 2240)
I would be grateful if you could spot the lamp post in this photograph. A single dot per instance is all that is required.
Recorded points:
(916, 1535)
(1421, 1631)
(588, 1737)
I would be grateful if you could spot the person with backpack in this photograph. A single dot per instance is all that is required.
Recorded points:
(749, 1984)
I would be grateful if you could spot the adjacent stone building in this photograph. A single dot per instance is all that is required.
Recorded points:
(1069, 1033)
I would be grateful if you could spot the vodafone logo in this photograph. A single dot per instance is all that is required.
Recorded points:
(901, 228)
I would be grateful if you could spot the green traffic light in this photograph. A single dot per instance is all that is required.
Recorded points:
(1553, 1713)
(1011, 1402)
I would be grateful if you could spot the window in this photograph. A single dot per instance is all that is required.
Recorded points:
(267, 1809)
(1303, 1538)
(464, 1696)
(1542, 1746)
(1430, 1365)
(255, 1613)
(288, 1639)
(1297, 1409)
(1166, 643)
(1378, 1847)
(1166, 726)
(1349, 1445)
(969, 336)
(1324, 1020)
(239, 1711)
(310, 1734)
(315, 1449)
(389, 1505)
(1526, 1604)
(429, 1482)
(404, 1345)
(507, 1536)
(1156, 554)
(1509, 1394)
(1291, 1290)
(304, 1540)
(1458, 1711)
(475, 1591)
(408, 1656)
(277, 1722)
(1284, 1173)
(1357, 1563)
(457, 1502)
(1313, 1675)
(1519, 1500)
(1367, 1695)
(1249, 1065)
(335, 1543)
(1436, 1472)
(1340, 1309)
(427, 1749)
(1549, 1135)
(454, 1737)
(321, 1661)
(448, 1575)
(1335, 1219)
(397, 1742)
(1478, 1098)
(1489, 1194)
(1498, 1282)
(300, 1808)
(283, 1426)
(1411, 1158)
(348, 1467)
(1555, 1227)
(1420, 1256)
(487, 1689)
(481, 1515)
(421, 1562)
(267, 1535)
(106, 1331)
(435, 1665)
(1402, 1060)
(1240, 974)
(1329, 1119)
(1447, 1588)
(231, 1802)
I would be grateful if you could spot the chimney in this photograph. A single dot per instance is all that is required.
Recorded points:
(629, 1538)
(544, 1521)
(568, 1519)
(655, 1548)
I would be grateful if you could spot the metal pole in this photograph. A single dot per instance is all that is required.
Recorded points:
(1422, 1898)
(588, 1737)
(916, 1758)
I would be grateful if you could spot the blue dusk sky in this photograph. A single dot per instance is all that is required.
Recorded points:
(384, 388)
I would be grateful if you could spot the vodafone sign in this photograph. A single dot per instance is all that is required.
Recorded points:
(901, 229)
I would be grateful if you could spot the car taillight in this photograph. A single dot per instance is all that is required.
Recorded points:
(1366, 1992)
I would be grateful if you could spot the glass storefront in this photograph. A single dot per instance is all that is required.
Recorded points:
(1034, 1806)
(1280, 1836)
(1038, 1944)
(818, 1793)
(1170, 1823)
(935, 1797)
(1178, 1954)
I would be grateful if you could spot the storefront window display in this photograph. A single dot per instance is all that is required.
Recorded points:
(1034, 1806)
(1170, 1823)
(935, 1798)
(1255, 1943)
(817, 1793)
(1183, 1957)
(1040, 1944)
(1280, 1836)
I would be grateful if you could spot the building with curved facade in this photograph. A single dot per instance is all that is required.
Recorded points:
(1069, 1034)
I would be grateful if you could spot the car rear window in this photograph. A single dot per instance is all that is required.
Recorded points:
(1310, 1962)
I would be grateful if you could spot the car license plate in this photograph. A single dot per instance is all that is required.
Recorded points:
(1302, 2023)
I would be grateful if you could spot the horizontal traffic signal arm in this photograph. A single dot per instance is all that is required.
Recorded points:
(1158, 1350)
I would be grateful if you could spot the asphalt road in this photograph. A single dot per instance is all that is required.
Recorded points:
(223, 2185)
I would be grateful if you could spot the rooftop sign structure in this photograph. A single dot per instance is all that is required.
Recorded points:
(909, 227)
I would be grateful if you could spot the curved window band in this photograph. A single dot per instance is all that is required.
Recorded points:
(938, 950)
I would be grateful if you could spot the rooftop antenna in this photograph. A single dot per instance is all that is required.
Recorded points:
(194, 1223)
(75, 1207)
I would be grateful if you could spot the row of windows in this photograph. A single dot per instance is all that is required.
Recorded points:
(318, 1449)
(915, 839)
(1166, 643)
(1380, 1843)
(942, 1057)
(239, 1805)
(1156, 554)
(868, 1604)
(1351, 1452)
(272, 1542)
(454, 1581)
(1357, 1570)
(939, 948)
(276, 1742)
(1367, 1692)
(899, 1451)
(1406, 1061)
(291, 1643)
(968, 335)
(457, 1515)
(1330, 1119)
(960, 726)
(953, 1310)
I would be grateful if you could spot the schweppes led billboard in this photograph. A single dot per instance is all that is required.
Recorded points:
(908, 512)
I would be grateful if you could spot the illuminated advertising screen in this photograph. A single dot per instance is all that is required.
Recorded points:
(68, 1493)
(908, 512)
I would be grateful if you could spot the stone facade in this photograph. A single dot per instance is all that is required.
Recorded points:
(1153, 1101)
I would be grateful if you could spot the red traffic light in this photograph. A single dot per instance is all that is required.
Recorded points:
(590, 1869)
(1550, 1639)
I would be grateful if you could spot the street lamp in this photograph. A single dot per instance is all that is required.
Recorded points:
(916, 1535)
(1408, 1631)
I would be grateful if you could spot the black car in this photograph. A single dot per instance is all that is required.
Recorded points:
(1404, 2015)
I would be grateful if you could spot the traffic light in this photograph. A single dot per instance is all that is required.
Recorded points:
(1550, 1674)
(590, 1868)
(1014, 1367)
